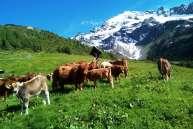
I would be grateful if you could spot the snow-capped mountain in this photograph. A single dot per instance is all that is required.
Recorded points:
(127, 33)
(182, 9)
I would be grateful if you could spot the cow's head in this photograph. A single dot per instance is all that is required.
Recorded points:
(16, 86)
(49, 76)
(9, 81)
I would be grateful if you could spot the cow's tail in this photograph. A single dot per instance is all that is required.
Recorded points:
(110, 77)
(109, 72)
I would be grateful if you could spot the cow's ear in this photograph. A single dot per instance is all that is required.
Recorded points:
(8, 86)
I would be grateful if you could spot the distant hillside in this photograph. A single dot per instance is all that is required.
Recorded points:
(14, 37)
(175, 43)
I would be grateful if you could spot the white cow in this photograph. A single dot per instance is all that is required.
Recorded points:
(33, 87)
(106, 64)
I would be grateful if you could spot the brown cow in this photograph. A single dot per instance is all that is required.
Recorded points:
(73, 73)
(122, 62)
(69, 74)
(164, 68)
(24, 78)
(116, 70)
(4, 91)
(95, 74)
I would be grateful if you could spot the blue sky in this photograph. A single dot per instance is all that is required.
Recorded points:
(69, 17)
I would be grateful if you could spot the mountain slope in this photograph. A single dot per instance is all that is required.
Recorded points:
(14, 37)
(127, 33)
(175, 43)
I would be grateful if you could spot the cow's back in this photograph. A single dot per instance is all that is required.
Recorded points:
(164, 67)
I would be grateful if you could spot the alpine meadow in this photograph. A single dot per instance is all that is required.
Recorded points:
(132, 71)
(143, 100)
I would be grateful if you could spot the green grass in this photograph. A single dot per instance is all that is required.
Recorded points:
(142, 101)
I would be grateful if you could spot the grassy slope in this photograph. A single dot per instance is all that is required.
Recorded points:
(14, 37)
(142, 101)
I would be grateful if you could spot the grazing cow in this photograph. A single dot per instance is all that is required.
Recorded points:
(106, 64)
(4, 90)
(122, 62)
(164, 68)
(24, 90)
(116, 70)
(69, 74)
(22, 78)
(95, 74)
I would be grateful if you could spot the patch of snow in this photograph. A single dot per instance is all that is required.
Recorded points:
(30, 28)
(186, 26)
(128, 50)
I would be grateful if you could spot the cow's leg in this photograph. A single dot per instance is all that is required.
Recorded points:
(25, 104)
(81, 86)
(115, 79)
(126, 72)
(111, 81)
(169, 74)
(22, 105)
(57, 85)
(162, 76)
(119, 79)
(5, 98)
(54, 85)
(95, 84)
(167, 77)
(76, 86)
(46, 98)
(61, 85)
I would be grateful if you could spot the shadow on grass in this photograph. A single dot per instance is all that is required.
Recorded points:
(12, 108)
(64, 90)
